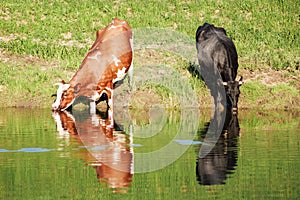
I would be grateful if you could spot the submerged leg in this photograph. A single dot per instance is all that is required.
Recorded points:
(92, 107)
(110, 125)
(109, 92)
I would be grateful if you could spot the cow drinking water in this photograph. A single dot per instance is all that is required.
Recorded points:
(218, 57)
(106, 63)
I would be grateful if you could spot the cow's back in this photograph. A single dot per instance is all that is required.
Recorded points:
(215, 44)
(109, 45)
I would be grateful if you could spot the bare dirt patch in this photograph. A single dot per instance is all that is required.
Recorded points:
(269, 77)
(7, 57)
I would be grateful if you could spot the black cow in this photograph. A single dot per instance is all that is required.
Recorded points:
(222, 159)
(217, 57)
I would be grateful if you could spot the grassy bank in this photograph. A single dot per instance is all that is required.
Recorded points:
(42, 42)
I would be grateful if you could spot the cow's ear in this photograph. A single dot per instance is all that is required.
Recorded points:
(63, 82)
(201, 30)
(58, 84)
(77, 87)
(198, 33)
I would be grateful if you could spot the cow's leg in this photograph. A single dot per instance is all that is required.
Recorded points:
(95, 119)
(93, 102)
(110, 126)
(130, 76)
(92, 107)
(109, 92)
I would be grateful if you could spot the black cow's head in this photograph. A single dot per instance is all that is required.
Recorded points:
(232, 93)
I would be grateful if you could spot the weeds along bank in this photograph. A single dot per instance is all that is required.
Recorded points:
(43, 42)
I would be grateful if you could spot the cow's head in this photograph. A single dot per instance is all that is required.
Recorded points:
(232, 93)
(64, 97)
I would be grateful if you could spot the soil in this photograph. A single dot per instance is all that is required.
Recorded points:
(271, 77)
(267, 77)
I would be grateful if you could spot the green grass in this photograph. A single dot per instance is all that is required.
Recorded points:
(281, 96)
(266, 34)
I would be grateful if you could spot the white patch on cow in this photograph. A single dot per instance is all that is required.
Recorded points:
(110, 103)
(115, 26)
(59, 93)
(120, 74)
(111, 117)
(131, 147)
(95, 57)
(95, 119)
(116, 60)
(96, 96)
(109, 89)
(69, 104)
(92, 107)
(62, 133)
(112, 27)
(102, 122)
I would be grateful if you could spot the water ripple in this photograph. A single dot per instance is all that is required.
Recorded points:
(30, 150)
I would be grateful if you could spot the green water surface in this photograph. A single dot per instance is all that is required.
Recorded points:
(38, 163)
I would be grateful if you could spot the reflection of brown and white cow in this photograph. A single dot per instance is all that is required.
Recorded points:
(106, 63)
(110, 156)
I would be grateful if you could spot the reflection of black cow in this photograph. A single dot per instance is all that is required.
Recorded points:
(217, 53)
(222, 159)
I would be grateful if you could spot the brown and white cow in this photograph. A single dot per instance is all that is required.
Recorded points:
(109, 151)
(106, 63)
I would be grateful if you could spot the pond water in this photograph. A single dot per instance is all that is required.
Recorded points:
(46, 155)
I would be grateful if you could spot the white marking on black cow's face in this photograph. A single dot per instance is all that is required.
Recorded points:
(232, 93)
(62, 87)
(120, 74)
(116, 60)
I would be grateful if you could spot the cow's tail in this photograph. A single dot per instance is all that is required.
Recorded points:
(130, 71)
(130, 76)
